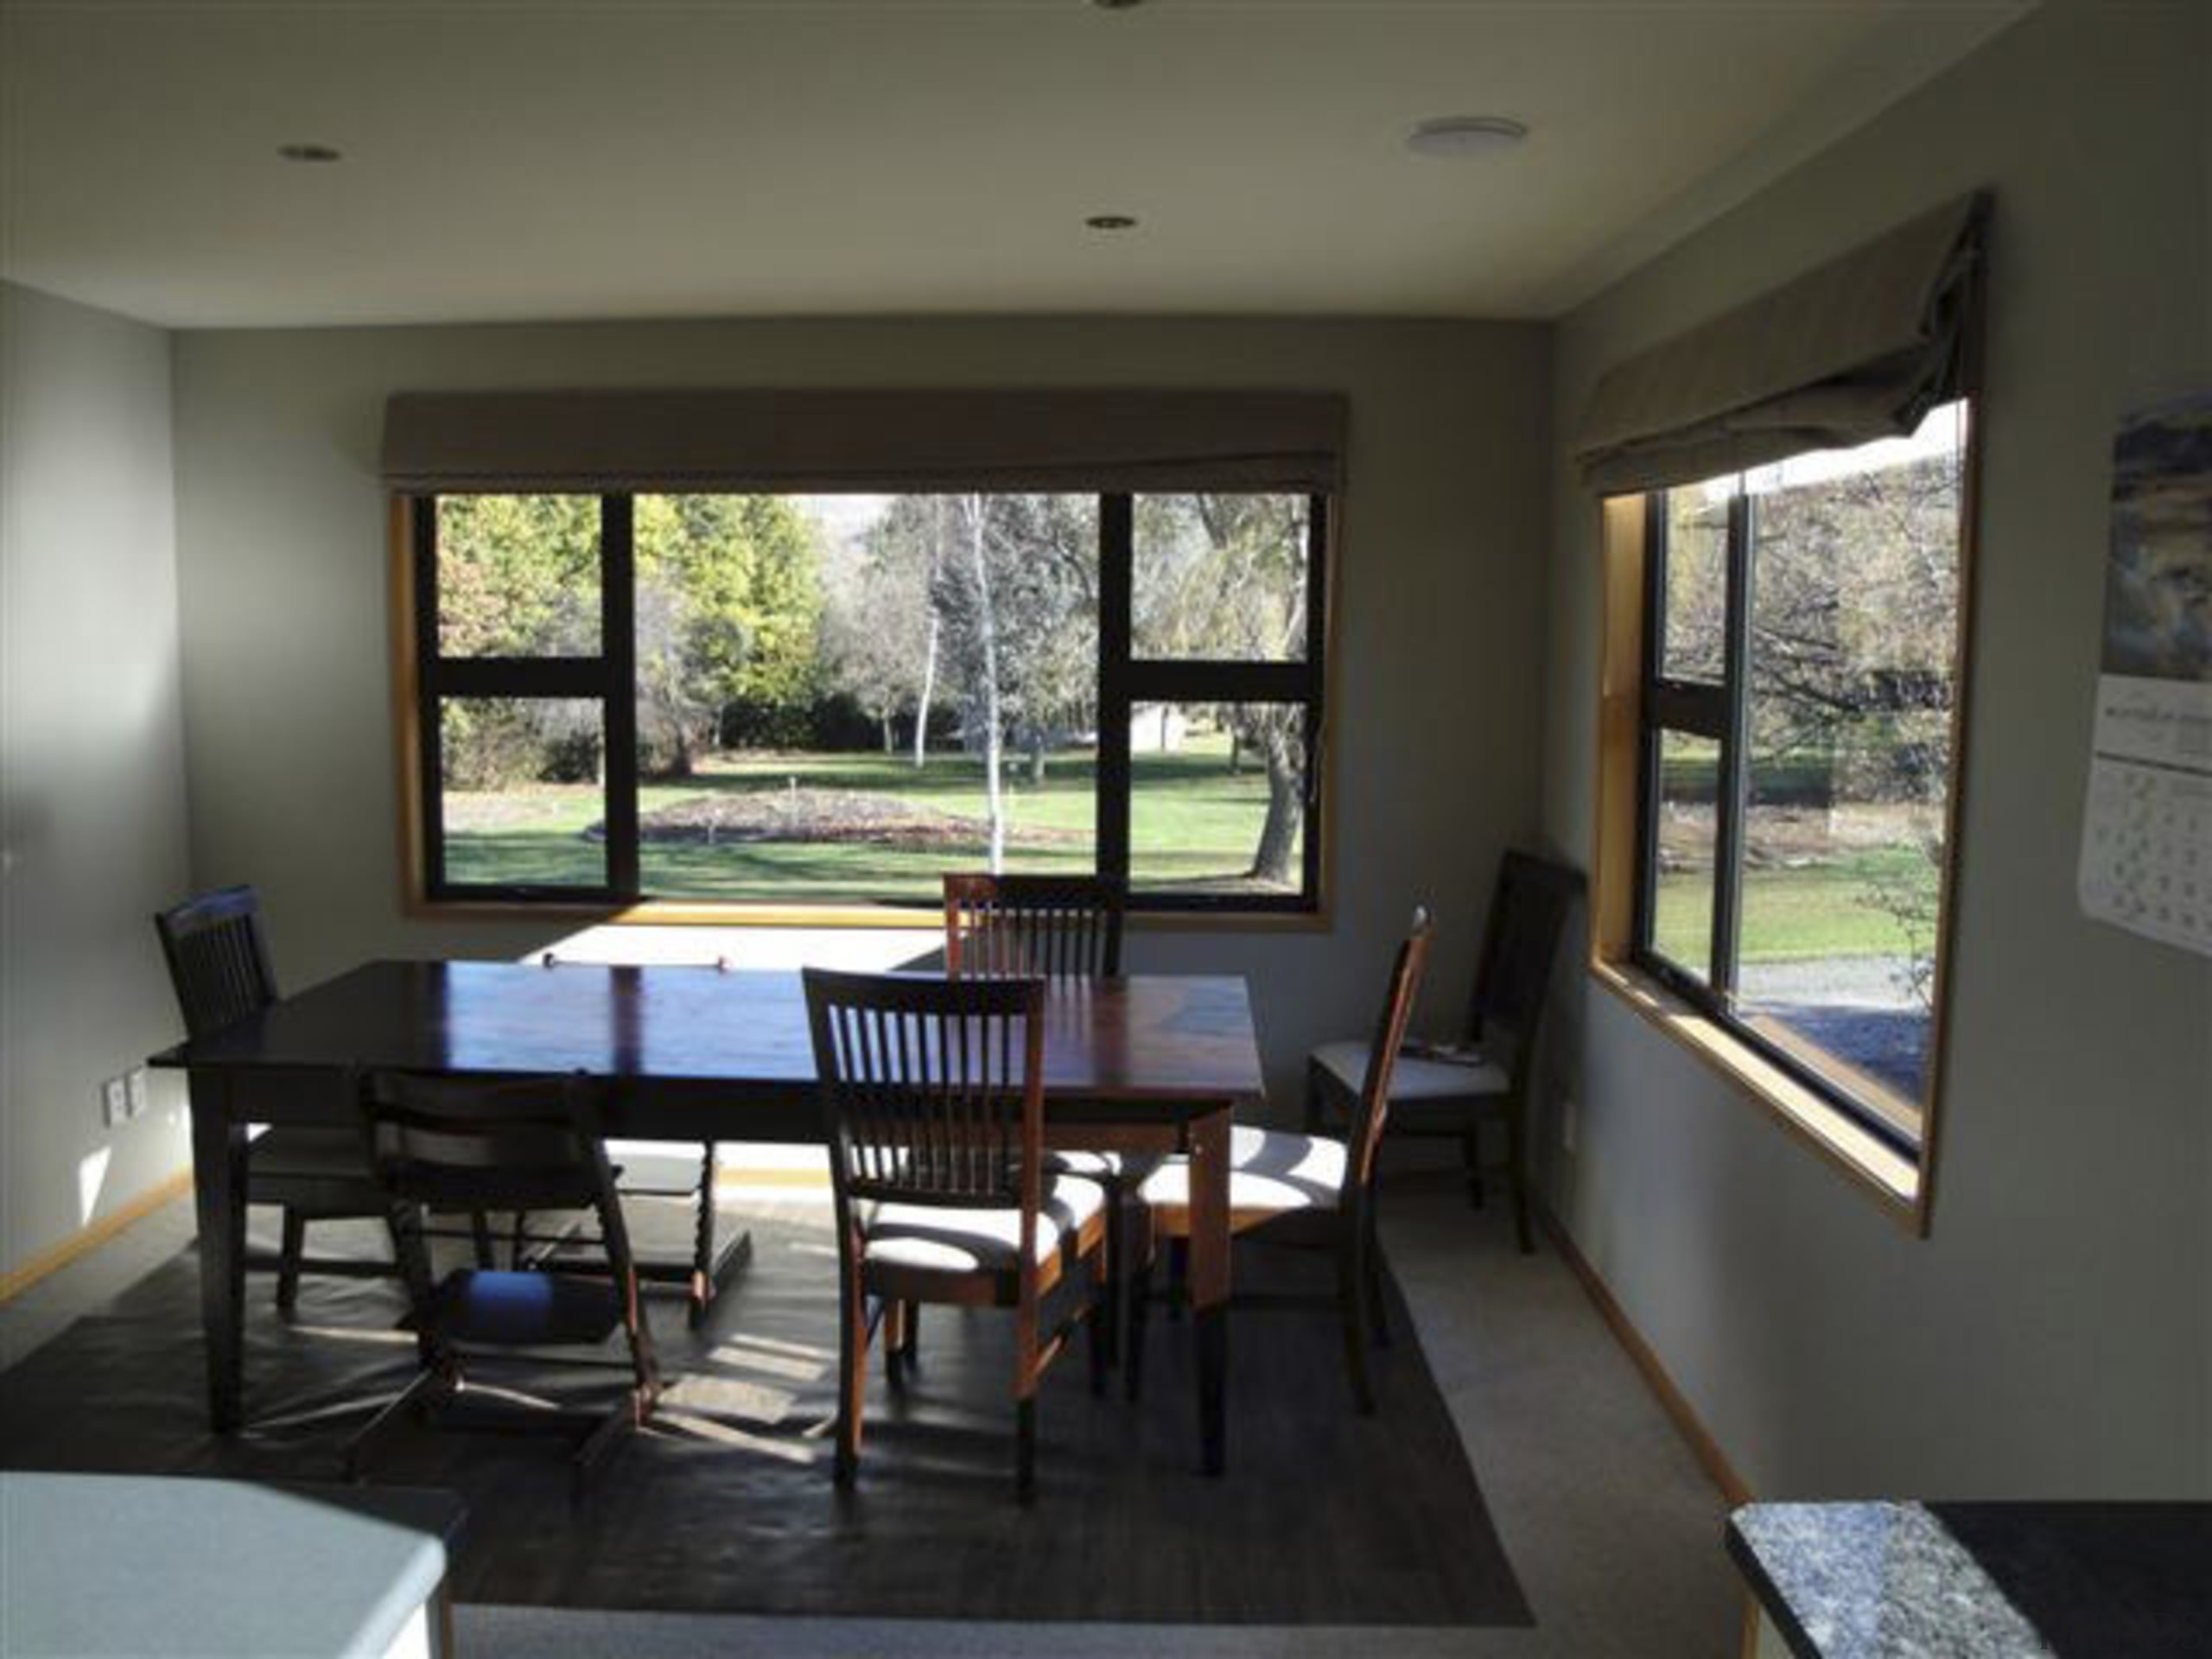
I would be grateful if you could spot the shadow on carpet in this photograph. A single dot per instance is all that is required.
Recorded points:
(726, 1504)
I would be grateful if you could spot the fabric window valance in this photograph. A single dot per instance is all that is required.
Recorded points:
(1856, 349)
(863, 441)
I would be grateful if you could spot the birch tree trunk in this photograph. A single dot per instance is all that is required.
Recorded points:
(929, 650)
(929, 689)
(986, 637)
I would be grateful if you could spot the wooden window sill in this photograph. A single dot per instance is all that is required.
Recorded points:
(916, 919)
(1895, 1182)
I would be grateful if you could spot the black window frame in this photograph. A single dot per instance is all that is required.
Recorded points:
(1720, 711)
(610, 678)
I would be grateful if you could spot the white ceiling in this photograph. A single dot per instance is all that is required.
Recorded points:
(523, 159)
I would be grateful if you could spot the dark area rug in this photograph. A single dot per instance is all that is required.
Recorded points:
(726, 1504)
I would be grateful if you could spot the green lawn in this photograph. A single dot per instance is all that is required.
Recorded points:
(1192, 822)
(1798, 914)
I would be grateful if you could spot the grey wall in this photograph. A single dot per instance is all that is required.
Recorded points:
(91, 764)
(2055, 1335)
(282, 541)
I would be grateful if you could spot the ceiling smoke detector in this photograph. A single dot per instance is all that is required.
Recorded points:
(1457, 137)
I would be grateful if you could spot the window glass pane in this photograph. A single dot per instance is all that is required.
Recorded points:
(1854, 607)
(824, 682)
(1681, 906)
(1693, 643)
(518, 575)
(1219, 577)
(1217, 797)
(523, 801)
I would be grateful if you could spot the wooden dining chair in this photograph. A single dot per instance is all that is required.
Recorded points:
(531, 1146)
(1448, 1091)
(932, 1101)
(1060, 927)
(1054, 926)
(1303, 1191)
(220, 969)
(679, 1172)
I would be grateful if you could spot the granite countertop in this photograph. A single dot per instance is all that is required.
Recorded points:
(2032, 1581)
(123, 1564)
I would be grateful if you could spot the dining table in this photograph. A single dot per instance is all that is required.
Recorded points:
(1141, 1064)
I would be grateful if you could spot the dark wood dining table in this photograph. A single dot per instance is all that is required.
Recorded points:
(1148, 1062)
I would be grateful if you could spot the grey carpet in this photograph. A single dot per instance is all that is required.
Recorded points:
(1324, 1519)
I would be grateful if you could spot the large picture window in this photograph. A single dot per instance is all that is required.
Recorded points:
(1795, 761)
(835, 698)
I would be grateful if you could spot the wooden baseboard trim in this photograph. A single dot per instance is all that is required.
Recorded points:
(1702, 1446)
(92, 1236)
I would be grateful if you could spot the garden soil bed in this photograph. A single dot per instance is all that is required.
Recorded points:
(849, 817)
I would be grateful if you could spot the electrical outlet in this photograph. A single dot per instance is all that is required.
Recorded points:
(1567, 1124)
(115, 1102)
(136, 1085)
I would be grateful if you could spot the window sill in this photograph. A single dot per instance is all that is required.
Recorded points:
(913, 918)
(1895, 1183)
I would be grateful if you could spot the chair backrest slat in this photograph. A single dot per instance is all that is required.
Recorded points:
(218, 959)
(463, 1143)
(1528, 916)
(1370, 1112)
(931, 1089)
(1057, 926)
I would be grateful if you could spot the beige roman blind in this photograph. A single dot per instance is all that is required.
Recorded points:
(1856, 349)
(847, 441)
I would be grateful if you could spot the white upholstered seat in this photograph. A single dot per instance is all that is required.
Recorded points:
(944, 1239)
(1413, 1078)
(1271, 1172)
(1081, 1161)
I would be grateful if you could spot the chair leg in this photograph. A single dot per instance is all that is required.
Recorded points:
(1139, 1292)
(702, 1244)
(1517, 1149)
(479, 1229)
(1314, 1085)
(1377, 1309)
(894, 1339)
(409, 1400)
(1351, 1298)
(593, 1451)
(1025, 1448)
(1099, 1335)
(1106, 1303)
(287, 1270)
(1178, 1275)
(1471, 1150)
(852, 1378)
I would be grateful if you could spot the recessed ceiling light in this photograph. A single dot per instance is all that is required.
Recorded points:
(1454, 136)
(1112, 222)
(1116, 5)
(307, 152)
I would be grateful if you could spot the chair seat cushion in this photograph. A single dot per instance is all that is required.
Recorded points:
(665, 1167)
(1413, 1078)
(942, 1239)
(308, 1154)
(1271, 1172)
(1091, 1166)
(525, 1309)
